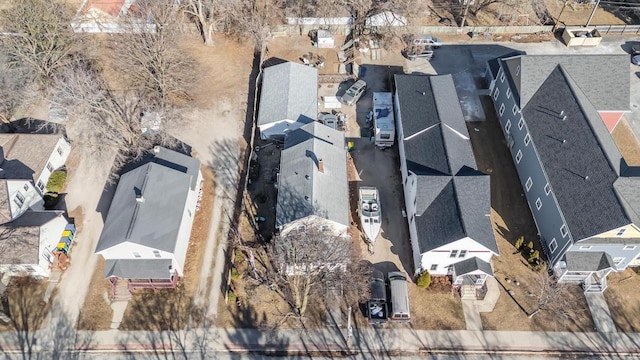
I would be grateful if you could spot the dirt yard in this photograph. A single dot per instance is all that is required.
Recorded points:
(578, 14)
(623, 298)
(511, 219)
(96, 314)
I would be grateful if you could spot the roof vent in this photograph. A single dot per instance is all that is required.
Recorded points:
(320, 165)
(156, 149)
(564, 141)
(139, 198)
(586, 177)
(306, 197)
(307, 177)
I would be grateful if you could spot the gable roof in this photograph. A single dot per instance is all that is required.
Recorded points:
(588, 260)
(304, 190)
(156, 220)
(452, 197)
(20, 239)
(472, 264)
(579, 169)
(138, 268)
(289, 91)
(603, 78)
(24, 156)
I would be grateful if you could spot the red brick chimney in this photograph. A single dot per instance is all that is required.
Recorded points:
(320, 165)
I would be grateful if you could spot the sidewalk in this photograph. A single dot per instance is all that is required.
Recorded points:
(390, 342)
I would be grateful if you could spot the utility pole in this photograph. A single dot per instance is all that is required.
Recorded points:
(593, 12)
(555, 26)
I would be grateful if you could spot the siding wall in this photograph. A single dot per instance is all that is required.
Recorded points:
(548, 219)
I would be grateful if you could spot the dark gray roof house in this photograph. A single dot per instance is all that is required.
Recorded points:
(451, 197)
(313, 176)
(557, 113)
(289, 93)
(147, 212)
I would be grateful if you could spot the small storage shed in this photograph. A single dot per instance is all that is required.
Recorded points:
(324, 39)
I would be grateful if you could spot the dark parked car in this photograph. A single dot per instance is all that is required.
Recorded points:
(635, 54)
(377, 309)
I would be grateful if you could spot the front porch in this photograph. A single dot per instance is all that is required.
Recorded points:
(589, 269)
(469, 278)
(123, 289)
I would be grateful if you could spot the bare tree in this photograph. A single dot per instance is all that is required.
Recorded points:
(14, 87)
(203, 14)
(39, 36)
(553, 297)
(477, 6)
(254, 18)
(305, 261)
(102, 118)
(153, 61)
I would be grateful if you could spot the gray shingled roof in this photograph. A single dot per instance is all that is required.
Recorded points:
(177, 161)
(155, 221)
(20, 239)
(138, 268)
(603, 78)
(472, 264)
(588, 260)
(628, 191)
(416, 103)
(289, 91)
(24, 156)
(590, 206)
(303, 190)
(452, 197)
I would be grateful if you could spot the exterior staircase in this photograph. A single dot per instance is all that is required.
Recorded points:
(468, 292)
(121, 291)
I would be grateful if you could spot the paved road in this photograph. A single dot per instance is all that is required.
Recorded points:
(374, 344)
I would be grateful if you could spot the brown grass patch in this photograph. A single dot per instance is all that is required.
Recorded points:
(96, 313)
(433, 309)
(27, 308)
(627, 142)
(199, 234)
(158, 309)
(623, 297)
(577, 14)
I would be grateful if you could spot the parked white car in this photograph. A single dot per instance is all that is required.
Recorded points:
(353, 94)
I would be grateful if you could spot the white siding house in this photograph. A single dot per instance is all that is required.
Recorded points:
(447, 199)
(288, 100)
(313, 183)
(147, 230)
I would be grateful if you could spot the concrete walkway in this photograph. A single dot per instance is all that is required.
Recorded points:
(118, 307)
(473, 307)
(600, 312)
(378, 343)
(471, 314)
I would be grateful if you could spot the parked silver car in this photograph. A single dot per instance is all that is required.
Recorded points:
(426, 40)
(353, 94)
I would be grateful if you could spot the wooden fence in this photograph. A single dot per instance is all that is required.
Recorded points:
(618, 29)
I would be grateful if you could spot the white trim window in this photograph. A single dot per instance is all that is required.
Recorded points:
(501, 111)
(462, 254)
(538, 204)
(528, 184)
(508, 93)
(496, 93)
(454, 253)
(547, 189)
(527, 139)
(629, 247)
(26, 187)
(434, 267)
(518, 70)
(50, 167)
(502, 76)
(514, 110)
(553, 245)
(507, 126)
(40, 185)
(521, 122)
(621, 231)
(518, 156)
(564, 231)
